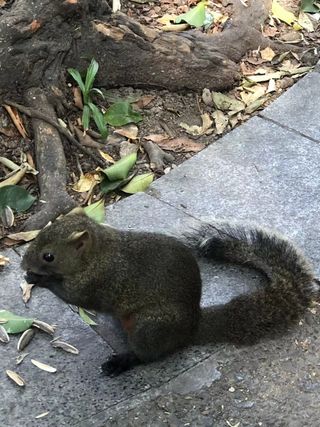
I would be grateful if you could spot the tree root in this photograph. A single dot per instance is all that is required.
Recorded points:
(51, 164)
(157, 156)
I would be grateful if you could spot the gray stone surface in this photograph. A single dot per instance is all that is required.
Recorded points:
(299, 107)
(259, 173)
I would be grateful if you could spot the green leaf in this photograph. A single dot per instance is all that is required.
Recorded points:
(85, 317)
(138, 183)
(91, 74)
(121, 113)
(16, 198)
(310, 6)
(121, 168)
(96, 211)
(15, 324)
(195, 17)
(107, 186)
(99, 119)
(77, 77)
(86, 117)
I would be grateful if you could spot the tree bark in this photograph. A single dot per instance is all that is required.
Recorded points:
(40, 39)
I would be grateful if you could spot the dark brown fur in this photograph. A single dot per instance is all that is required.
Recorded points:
(152, 283)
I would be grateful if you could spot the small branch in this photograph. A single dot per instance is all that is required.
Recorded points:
(38, 115)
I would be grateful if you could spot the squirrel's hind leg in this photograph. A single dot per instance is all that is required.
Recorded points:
(159, 333)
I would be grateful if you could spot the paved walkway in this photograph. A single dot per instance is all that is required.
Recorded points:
(266, 171)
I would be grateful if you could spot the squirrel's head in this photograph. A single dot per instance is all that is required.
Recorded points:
(60, 249)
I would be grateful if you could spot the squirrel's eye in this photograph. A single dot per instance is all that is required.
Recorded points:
(48, 257)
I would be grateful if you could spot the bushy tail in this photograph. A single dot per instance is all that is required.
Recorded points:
(280, 303)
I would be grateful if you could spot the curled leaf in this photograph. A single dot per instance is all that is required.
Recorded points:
(138, 183)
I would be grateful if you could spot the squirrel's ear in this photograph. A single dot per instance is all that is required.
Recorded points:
(81, 240)
(76, 211)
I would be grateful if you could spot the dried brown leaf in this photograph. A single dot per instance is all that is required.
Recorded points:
(181, 145)
(24, 236)
(15, 117)
(155, 137)
(77, 97)
(129, 131)
(144, 101)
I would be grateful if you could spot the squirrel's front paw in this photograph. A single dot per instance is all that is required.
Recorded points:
(118, 363)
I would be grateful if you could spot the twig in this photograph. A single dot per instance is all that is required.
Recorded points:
(37, 115)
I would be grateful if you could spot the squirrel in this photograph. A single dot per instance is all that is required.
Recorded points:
(152, 284)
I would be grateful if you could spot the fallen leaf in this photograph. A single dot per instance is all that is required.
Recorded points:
(77, 97)
(139, 183)
(15, 117)
(269, 31)
(15, 178)
(305, 22)
(26, 291)
(291, 37)
(96, 211)
(129, 131)
(87, 182)
(265, 77)
(84, 316)
(181, 145)
(226, 103)
(167, 19)
(154, 137)
(256, 105)
(221, 121)
(271, 86)
(144, 101)
(14, 323)
(43, 366)
(252, 93)
(4, 260)
(311, 6)
(121, 168)
(121, 113)
(176, 28)
(24, 236)
(199, 130)
(284, 15)
(106, 156)
(267, 54)
(195, 17)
